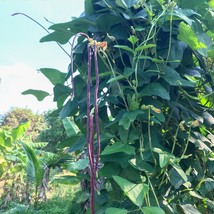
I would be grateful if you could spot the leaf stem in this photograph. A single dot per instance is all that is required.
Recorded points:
(42, 28)
(149, 138)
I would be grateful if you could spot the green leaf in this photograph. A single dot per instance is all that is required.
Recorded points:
(118, 147)
(64, 31)
(60, 91)
(124, 47)
(129, 117)
(174, 79)
(20, 130)
(143, 47)
(89, 10)
(70, 127)
(164, 157)
(116, 79)
(211, 3)
(78, 165)
(128, 71)
(152, 210)
(135, 192)
(106, 21)
(155, 89)
(55, 76)
(35, 168)
(187, 35)
(109, 170)
(133, 39)
(39, 94)
(188, 209)
(177, 176)
(58, 36)
(182, 14)
(68, 108)
(132, 102)
(75, 143)
(206, 186)
(112, 210)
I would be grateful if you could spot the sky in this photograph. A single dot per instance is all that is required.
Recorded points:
(21, 53)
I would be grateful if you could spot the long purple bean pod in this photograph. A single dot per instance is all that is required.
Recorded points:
(96, 106)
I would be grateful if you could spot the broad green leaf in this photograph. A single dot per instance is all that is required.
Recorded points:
(61, 90)
(206, 186)
(106, 21)
(39, 94)
(129, 117)
(128, 71)
(124, 47)
(89, 10)
(182, 14)
(118, 147)
(68, 108)
(164, 157)
(58, 36)
(187, 209)
(132, 103)
(211, 54)
(70, 127)
(210, 34)
(35, 168)
(155, 89)
(143, 47)
(135, 192)
(55, 76)
(163, 160)
(187, 35)
(177, 176)
(112, 210)
(75, 143)
(109, 170)
(78, 165)
(20, 130)
(176, 52)
(174, 79)
(64, 31)
(211, 3)
(133, 39)
(153, 210)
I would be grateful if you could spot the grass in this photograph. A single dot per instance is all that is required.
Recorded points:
(59, 201)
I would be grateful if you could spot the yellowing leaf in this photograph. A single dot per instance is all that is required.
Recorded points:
(187, 35)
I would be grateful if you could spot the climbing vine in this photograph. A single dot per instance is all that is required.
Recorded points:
(152, 138)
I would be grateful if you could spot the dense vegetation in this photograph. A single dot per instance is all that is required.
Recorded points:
(146, 69)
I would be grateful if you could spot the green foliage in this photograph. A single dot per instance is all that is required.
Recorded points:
(39, 94)
(17, 116)
(155, 104)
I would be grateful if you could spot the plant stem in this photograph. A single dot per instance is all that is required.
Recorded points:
(42, 28)
(170, 36)
(153, 191)
(187, 143)
(149, 138)
(118, 85)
